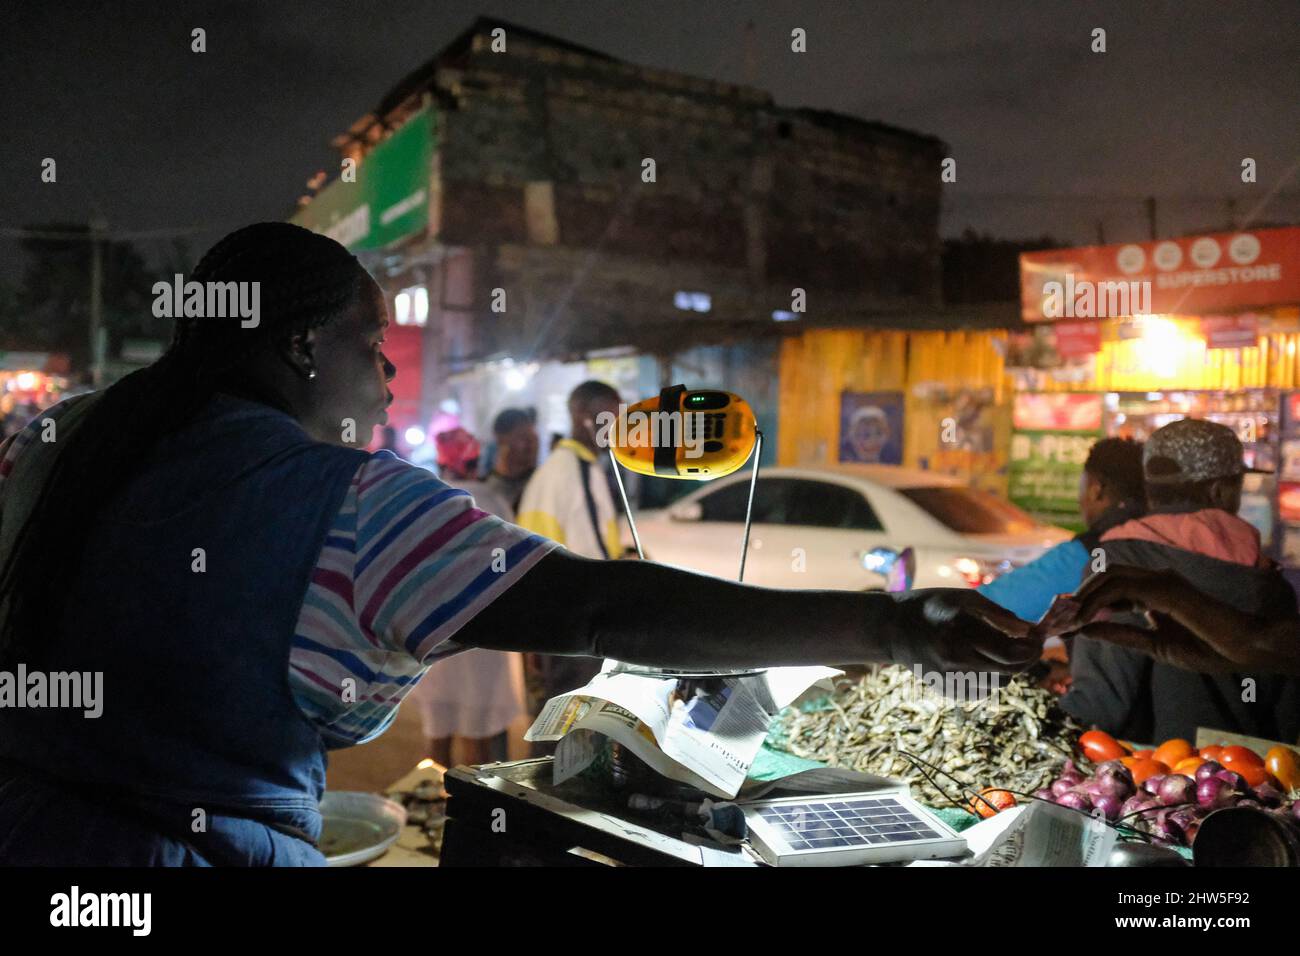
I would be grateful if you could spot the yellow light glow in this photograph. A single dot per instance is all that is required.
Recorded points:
(426, 763)
(1164, 346)
(27, 381)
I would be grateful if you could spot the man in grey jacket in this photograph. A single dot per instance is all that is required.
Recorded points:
(1193, 471)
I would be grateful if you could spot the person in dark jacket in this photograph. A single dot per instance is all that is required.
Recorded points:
(1193, 472)
(1110, 493)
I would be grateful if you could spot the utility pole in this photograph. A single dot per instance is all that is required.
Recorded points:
(98, 226)
(1151, 215)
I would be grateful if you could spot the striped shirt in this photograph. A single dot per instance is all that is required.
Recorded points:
(407, 562)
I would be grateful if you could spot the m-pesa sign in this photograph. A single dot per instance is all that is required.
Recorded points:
(1193, 275)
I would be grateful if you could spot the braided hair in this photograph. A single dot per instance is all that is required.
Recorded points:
(306, 280)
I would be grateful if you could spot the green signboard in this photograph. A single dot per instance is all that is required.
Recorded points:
(390, 198)
(1044, 472)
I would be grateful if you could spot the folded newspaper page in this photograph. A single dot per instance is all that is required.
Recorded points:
(1036, 834)
(708, 742)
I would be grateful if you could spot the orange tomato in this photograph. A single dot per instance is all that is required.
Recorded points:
(1000, 800)
(1255, 774)
(1128, 747)
(1172, 751)
(1145, 769)
(1234, 758)
(1143, 754)
(1188, 765)
(1099, 746)
(1284, 763)
(1212, 753)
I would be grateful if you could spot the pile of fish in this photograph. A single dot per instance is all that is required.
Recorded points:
(1016, 736)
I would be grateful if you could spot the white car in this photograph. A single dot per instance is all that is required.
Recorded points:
(840, 527)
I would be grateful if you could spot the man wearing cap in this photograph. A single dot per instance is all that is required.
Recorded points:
(1193, 471)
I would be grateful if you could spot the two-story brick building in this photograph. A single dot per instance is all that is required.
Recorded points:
(526, 200)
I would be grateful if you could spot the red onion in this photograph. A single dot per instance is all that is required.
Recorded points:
(1214, 793)
(1108, 804)
(1061, 787)
(1188, 819)
(1116, 786)
(1113, 768)
(1045, 793)
(1234, 780)
(1176, 789)
(1207, 769)
(1135, 804)
(1152, 783)
(1165, 827)
(1091, 788)
(1269, 795)
(1075, 801)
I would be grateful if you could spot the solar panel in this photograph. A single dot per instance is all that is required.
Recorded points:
(848, 829)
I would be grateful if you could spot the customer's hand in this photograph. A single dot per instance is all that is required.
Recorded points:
(1192, 630)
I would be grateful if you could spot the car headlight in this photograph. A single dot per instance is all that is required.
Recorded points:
(977, 571)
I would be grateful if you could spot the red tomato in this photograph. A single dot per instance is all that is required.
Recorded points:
(1099, 746)
(1255, 774)
(1172, 751)
(1234, 758)
(1000, 800)
(1144, 754)
(1144, 769)
(1212, 753)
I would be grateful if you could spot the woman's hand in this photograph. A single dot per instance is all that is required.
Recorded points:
(967, 632)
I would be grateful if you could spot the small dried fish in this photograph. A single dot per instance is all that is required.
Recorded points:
(1017, 737)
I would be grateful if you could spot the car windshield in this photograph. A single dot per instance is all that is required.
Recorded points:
(969, 511)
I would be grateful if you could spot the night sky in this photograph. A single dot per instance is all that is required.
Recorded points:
(1049, 137)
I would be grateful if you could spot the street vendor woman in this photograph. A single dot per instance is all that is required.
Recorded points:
(254, 588)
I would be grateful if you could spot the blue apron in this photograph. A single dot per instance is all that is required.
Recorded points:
(200, 756)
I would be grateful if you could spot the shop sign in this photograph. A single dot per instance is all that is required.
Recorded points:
(1230, 331)
(1193, 275)
(1077, 339)
(1043, 472)
(1057, 411)
(1288, 502)
(1291, 414)
(390, 198)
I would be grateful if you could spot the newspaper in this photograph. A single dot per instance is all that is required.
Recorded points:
(709, 742)
(1035, 834)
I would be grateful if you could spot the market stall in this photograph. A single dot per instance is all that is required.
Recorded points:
(1001, 773)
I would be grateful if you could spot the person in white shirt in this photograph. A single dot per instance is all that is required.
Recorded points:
(569, 499)
(473, 697)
